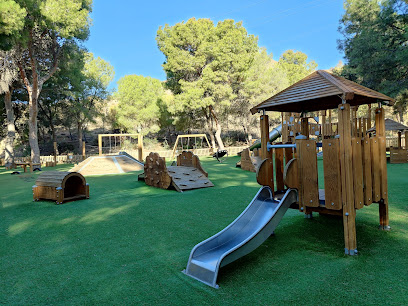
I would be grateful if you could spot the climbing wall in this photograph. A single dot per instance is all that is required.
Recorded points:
(250, 161)
(188, 174)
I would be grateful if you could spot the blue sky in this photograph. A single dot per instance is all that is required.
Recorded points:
(123, 31)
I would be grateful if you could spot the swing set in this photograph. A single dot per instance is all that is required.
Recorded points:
(185, 143)
(116, 140)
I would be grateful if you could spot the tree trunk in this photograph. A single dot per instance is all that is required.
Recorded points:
(11, 131)
(218, 136)
(33, 125)
(208, 127)
(217, 129)
(401, 115)
(79, 127)
(54, 136)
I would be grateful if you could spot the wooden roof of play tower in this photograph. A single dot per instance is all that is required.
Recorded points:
(319, 91)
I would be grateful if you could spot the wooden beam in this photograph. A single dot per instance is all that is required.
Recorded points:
(100, 144)
(305, 127)
(383, 204)
(399, 140)
(267, 174)
(349, 212)
(140, 147)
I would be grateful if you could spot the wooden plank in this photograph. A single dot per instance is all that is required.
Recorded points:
(279, 169)
(383, 163)
(308, 172)
(358, 173)
(367, 176)
(383, 204)
(305, 127)
(375, 169)
(332, 175)
(349, 212)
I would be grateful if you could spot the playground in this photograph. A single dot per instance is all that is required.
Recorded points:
(129, 242)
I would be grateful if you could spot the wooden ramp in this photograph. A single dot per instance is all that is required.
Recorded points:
(187, 175)
(110, 164)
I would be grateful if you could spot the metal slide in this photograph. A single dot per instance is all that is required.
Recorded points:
(273, 135)
(255, 224)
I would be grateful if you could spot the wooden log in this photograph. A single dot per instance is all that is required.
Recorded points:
(349, 212)
(332, 175)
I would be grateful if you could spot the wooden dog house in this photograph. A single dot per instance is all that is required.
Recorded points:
(354, 162)
(60, 187)
(398, 153)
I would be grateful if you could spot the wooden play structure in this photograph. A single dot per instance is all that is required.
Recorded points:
(354, 162)
(109, 164)
(60, 187)
(184, 141)
(398, 153)
(250, 160)
(115, 140)
(187, 174)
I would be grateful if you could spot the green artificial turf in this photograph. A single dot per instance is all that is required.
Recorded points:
(129, 243)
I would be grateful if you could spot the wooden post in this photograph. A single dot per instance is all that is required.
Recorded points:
(100, 144)
(399, 140)
(347, 192)
(83, 150)
(264, 120)
(284, 127)
(406, 140)
(140, 147)
(369, 117)
(55, 153)
(279, 155)
(305, 127)
(383, 204)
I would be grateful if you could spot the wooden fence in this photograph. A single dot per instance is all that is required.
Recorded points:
(74, 159)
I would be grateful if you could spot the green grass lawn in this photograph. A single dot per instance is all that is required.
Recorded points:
(129, 243)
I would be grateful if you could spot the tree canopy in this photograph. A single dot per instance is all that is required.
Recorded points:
(138, 103)
(375, 43)
(206, 65)
(295, 64)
